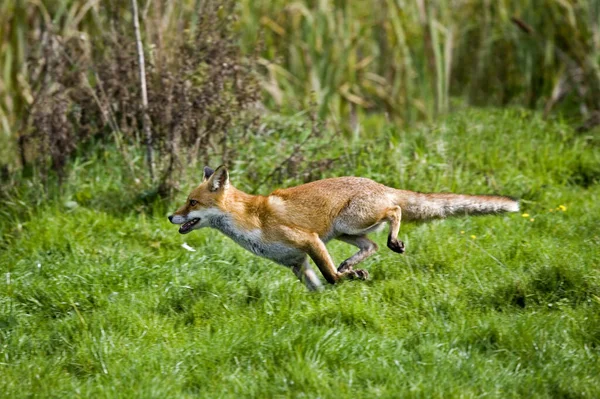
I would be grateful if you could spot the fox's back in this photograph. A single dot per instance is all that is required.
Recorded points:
(314, 206)
(331, 194)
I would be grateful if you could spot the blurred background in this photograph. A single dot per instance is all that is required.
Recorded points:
(219, 73)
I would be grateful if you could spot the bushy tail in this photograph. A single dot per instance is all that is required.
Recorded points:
(418, 206)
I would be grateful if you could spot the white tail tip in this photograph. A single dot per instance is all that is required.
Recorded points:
(513, 207)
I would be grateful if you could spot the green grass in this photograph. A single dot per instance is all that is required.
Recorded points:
(99, 299)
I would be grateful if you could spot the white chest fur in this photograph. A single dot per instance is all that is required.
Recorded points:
(252, 240)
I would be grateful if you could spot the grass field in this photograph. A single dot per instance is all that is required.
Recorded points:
(99, 299)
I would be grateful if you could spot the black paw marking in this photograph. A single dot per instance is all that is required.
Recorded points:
(396, 246)
(343, 267)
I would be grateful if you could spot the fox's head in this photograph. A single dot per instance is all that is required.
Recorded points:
(202, 203)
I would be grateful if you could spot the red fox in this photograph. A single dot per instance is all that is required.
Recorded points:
(292, 224)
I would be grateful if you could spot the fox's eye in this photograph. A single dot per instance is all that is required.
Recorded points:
(193, 202)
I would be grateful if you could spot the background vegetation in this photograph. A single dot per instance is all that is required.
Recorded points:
(100, 298)
(410, 58)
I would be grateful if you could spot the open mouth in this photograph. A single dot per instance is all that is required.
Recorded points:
(188, 226)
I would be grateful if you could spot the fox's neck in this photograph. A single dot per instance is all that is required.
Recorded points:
(242, 209)
(239, 219)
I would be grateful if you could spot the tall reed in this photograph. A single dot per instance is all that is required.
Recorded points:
(408, 58)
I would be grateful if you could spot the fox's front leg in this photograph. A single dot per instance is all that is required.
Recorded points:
(307, 275)
(312, 245)
(319, 254)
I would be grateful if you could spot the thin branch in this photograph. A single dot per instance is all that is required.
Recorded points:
(146, 118)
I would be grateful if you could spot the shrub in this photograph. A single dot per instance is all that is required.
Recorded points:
(201, 91)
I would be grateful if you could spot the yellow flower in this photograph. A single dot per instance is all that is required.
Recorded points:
(473, 237)
(525, 215)
(531, 220)
(462, 232)
(562, 208)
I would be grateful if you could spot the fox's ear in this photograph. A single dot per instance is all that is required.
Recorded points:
(207, 173)
(219, 180)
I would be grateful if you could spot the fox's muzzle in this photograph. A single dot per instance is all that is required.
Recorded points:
(187, 225)
(177, 219)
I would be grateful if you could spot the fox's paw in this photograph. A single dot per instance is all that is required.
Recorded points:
(360, 274)
(396, 246)
(344, 266)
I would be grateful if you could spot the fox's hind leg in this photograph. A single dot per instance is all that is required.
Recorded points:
(394, 215)
(366, 249)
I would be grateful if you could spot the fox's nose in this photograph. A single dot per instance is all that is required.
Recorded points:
(171, 218)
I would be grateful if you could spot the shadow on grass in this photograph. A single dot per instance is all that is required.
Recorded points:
(547, 286)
